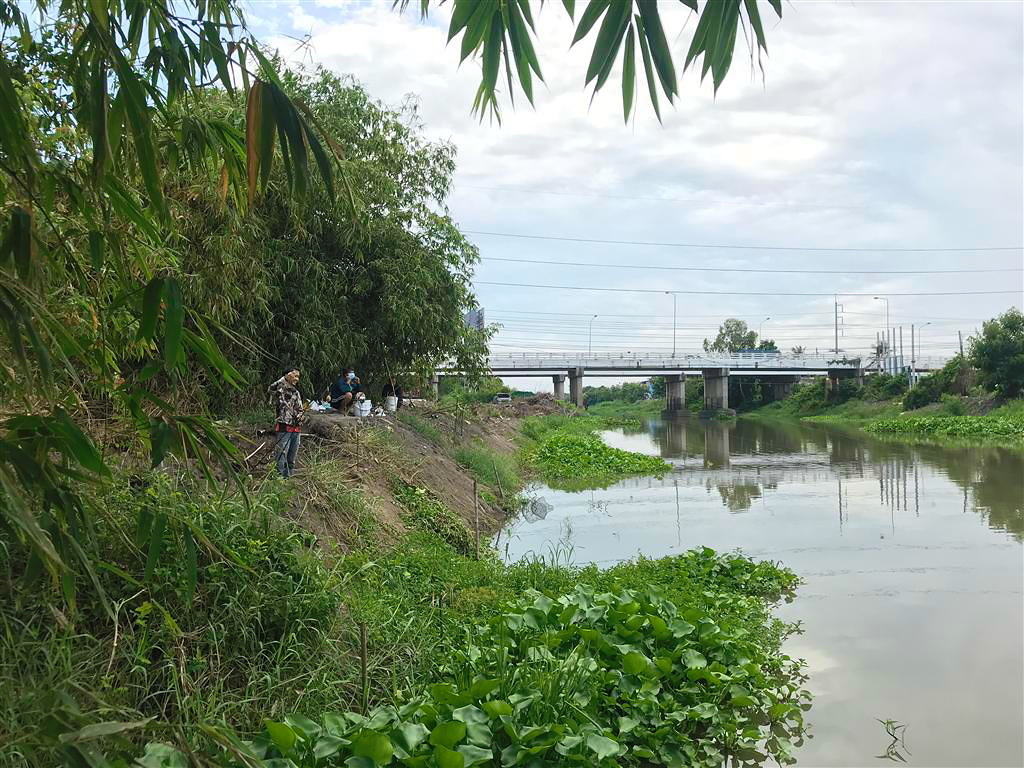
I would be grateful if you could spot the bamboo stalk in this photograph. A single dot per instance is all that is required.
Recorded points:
(363, 667)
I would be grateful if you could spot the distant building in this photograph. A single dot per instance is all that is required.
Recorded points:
(475, 318)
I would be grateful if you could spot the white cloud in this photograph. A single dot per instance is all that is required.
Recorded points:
(876, 124)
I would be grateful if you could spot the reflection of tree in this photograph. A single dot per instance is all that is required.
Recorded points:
(999, 489)
(739, 496)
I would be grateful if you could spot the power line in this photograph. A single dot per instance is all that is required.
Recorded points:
(720, 315)
(735, 293)
(748, 269)
(692, 201)
(741, 247)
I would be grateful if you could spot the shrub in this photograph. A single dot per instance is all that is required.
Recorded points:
(952, 404)
(883, 386)
(950, 379)
(425, 512)
(998, 354)
(489, 467)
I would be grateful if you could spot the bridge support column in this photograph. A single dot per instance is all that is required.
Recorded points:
(781, 387)
(576, 387)
(559, 381)
(434, 381)
(716, 390)
(675, 393)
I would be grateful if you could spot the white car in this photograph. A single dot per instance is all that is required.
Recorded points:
(503, 398)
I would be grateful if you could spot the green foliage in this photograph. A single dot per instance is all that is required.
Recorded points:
(489, 467)
(585, 457)
(929, 389)
(998, 354)
(993, 425)
(952, 405)
(735, 336)
(253, 629)
(883, 386)
(628, 391)
(582, 678)
(501, 36)
(425, 512)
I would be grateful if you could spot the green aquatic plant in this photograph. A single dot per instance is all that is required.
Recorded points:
(1002, 426)
(584, 456)
(623, 678)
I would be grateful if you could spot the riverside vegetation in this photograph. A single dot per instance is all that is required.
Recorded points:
(272, 647)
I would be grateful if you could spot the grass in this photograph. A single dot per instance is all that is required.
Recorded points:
(272, 626)
(618, 411)
(497, 470)
(423, 427)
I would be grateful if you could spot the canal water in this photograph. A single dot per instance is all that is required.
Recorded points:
(912, 558)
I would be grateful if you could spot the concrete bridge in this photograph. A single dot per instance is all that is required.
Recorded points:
(714, 368)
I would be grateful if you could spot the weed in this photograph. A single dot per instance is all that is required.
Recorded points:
(421, 426)
(584, 456)
(425, 512)
(494, 469)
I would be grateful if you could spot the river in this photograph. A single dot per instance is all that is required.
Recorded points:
(911, 555)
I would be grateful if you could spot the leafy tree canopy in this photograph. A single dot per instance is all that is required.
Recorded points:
(998, 353)
(735, 336)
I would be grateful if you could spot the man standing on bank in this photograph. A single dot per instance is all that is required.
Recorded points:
(288, 404)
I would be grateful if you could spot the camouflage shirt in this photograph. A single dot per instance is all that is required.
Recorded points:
(287, 401)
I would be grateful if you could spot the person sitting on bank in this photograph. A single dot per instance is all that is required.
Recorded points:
(341, 392)
(288, 406)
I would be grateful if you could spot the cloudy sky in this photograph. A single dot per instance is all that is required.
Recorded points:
(879, 125)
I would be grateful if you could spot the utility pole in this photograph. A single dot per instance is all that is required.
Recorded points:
(901, 348)
(913, 359)
(835, 305)
(673, 323)
(960, 336)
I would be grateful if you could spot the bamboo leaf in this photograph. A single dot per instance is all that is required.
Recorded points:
(77, 446)
(174, 318)
(570, 7)
(755, 22)
(777, 5)
(609, 37)
(589, 18)
(151, 298)
(725, 42)
(156, 543)
(253, 122)
(475, 29)
(661, 54)
(98, 118)
(652, 86)
(159, 442)
(461, 14)
(96, 250)
(628, 74)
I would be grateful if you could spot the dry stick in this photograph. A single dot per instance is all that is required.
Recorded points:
(362, 666)
(260, 448)
(476, 519)
(501, 491)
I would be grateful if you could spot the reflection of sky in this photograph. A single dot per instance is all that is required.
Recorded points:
(912, 605)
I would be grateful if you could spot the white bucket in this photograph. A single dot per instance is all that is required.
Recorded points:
(363, 408)
(391, 404)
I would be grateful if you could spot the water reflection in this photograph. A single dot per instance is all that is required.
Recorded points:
(911, 554)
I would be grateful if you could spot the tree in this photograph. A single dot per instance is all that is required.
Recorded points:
(998, 354)
(501, 35)
(735, 336)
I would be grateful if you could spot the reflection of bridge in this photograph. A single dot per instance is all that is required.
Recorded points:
(714, 368)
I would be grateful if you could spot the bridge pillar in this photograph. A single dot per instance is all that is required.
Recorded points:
(782, 386)
(576, 386)
(559, 381)
(434, 381)
(675, 393)
(716, 445)
(716, 389)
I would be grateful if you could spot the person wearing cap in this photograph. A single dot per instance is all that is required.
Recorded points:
(288, 405)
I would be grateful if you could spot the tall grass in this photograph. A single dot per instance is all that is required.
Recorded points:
(490, 467)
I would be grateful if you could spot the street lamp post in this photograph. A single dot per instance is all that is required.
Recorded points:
(760, 328)
(590, 343)
(889, 346)
(673, 322)
(920, 337)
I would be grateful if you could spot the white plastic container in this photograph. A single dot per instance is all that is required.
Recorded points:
(391, 404)
(363, 408)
